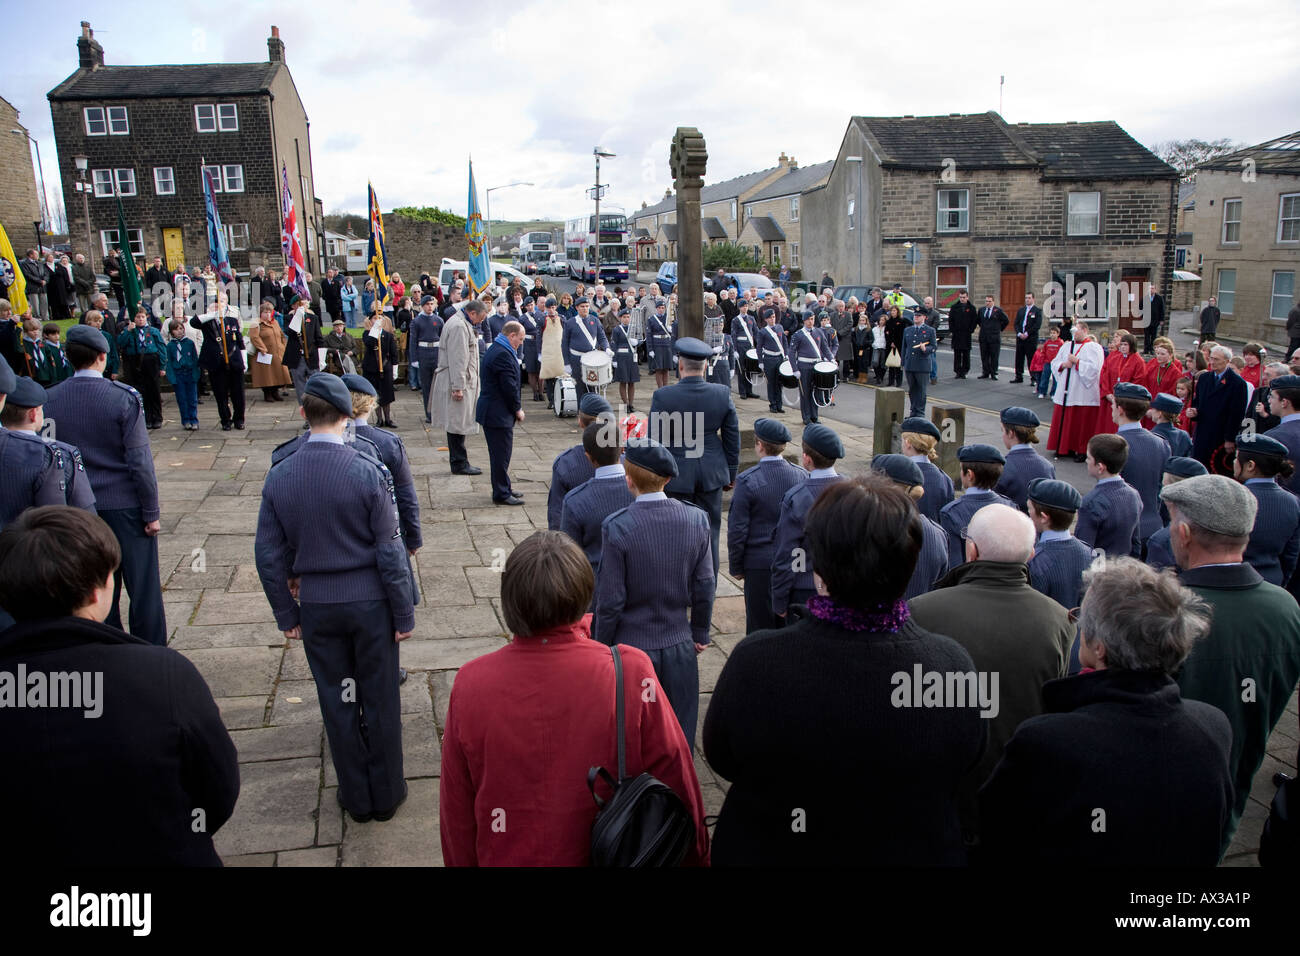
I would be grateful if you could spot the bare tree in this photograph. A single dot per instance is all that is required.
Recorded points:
(1186, 154)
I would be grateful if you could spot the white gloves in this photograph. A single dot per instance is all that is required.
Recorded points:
(568, 370)
(651, 354)
(609, 352)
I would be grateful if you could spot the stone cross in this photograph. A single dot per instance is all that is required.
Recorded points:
(687, 161)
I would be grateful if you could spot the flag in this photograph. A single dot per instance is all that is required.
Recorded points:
(217, 253)
(13, 286)
(480, 270)
(295, 265)
(130, 278)
(377, 252)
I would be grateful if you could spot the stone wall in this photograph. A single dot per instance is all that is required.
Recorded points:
(20, 204)
(415, 247)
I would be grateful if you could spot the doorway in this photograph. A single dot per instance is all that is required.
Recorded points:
(173, 248)
(1128, 305)
(1012, 291)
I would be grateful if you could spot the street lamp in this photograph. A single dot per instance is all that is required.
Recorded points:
(44, 214)
(598, 153)
(83, 187)
(488, 195)
(858, 211)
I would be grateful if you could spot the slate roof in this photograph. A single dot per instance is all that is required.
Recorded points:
(727, 189)
(669, 229)
(1090, 151)
(639, 233)
(795, 182)
(1281, 155)
(712, 228)
(148, 82)
(767, 228)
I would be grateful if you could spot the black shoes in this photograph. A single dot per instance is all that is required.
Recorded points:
(401, 676)
(383, 816)
(984, 376)
(239, 426)
(1017, 380)
(225, 427)
(512, 500)
(467, 470)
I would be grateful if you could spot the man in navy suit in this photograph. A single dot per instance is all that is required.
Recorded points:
(1028, 321)
(498, 407)
(1109, 514)
(1284, 402)
(582, 334)
(1144, 470)
(696, 421)
(1275, 539)
(919, 344)
(792, 574)
(991, 321)
(1218, 407)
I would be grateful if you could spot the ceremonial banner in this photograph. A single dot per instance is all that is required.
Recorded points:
(480, 269)
(295, 265)
(13, 286)
(217, 253)
(377, 253)
(130, 278)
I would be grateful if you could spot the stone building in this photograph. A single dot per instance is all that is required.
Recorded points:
(1247, 228)
(20, 205)
(150, 130)
(773, 229)
(941, 203)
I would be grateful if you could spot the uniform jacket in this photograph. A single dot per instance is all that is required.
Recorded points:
(806, 349)
(1160, 553)
(1057, 567)
(1180, 443)
(915, 360)
(1109, 517)
(32, 475)
(458, 368)
(128, 342)
(1023, 466)
(304, 345)
(931, 563)
(938, 488)
(625, 365)
(498, 398)
(570, 469)
(795, 505)
(1144, 472)
(962, 321)
(210, 355)
(574, 342)
(1220, 407)
(182, 360)
(682, 403)
(1275, 540)
(585, 509)
(1288, 433)
(754, 512)
(771, 340)
(389, 449)
(955, 516)
(744, 333)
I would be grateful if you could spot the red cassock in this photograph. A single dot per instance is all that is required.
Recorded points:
(1161, 378)
(524, 726)
(1118, 368)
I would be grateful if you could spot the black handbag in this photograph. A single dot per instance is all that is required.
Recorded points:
(644, 822)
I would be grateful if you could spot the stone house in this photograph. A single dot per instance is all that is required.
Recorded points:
(20, 205)
(773, 230)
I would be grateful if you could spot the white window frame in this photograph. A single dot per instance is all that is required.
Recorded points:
(852, 210)
(1223, 231)
(1281, 222)
(939, 289)
(198, 123)
(1231, 293)
(124, 177)
(794, 208)
(226, 178)
(221, 120)
(135, 239)
(236, 236)
(108, 115)
(124, 180)
(1288, 302)
(733, 210)
(159, 181)
(102, 121)
(942, 212)
(103, 183)
(776, 253)
(216, 178)
(1076, 220)
(758, 253)
(794, 255)
(747, 212)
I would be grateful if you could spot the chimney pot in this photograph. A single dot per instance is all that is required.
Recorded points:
(90, 55)
(275, 46)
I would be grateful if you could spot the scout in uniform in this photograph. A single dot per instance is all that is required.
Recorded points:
(57, 361)
(1165, 410)
(981, 467)
(144, 353)
(22, 415)
(772, 347)
(792, 575)
(571, 466)
(1147, 453)
(919, 438)
(1275, 540)
(932, 560)
(1160, 553)
(1109, 514)
(1020, 434)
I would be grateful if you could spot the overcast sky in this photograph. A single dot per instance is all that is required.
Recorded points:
(404, 94)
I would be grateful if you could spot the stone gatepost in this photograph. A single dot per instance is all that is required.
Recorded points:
(687, 161)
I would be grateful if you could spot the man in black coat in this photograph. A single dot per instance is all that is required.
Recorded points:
(962, 320)
(331, 291)
(1218, 407)
(992, 321)
(1293, 331)
(1028, 321)
(1210, 316)
(499, 407)
(1154, 315)
(124, 737)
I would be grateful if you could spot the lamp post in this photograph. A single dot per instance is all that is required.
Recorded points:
(598, 153)
(45, 217)
(858, 212)
(83, 187)
(487, 193)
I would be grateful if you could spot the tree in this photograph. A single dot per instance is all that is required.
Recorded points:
(1186, 154)
(732, 258)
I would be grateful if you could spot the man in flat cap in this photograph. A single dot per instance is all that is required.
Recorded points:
(1249, 663)
(981, 468)
(792, 572)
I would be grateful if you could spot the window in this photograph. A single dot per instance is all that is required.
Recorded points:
(1231, 223)
(794, 212)
(776, 253)
(215, 173)
(1227, 290)
(954, 210)
(853, 206)
(108, 239)
(758, 253)
(749, 212)
(1288, 218)
(1084, 217)
(794, 255)
(733, 210)
(104, 182)
(117, 124)
(96, 124)
(948, 282)
(164, 183)
(227, 118)
(237, 237)
(205, 118)
(1283, 295)
(126, 183)
(233, 179)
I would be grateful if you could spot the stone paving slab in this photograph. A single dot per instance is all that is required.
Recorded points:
(276, 808)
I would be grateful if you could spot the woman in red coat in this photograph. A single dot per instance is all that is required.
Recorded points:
(526, 723)
(1163, 372)
(1123, 364)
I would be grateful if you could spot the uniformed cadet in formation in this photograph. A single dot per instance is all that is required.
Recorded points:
(1023, 464)
(1160, 553)
(919, 437)
(583, 333)
(532, 317)
(792, 573)
(1275, 539)
(752, 519)
(696, 421)
(1109, 514)
(422, 343)
(744, 336)
(806, 350)
(981, 467)
(1165, 410)
(353, 591)
(1284, 402)
(772, 348)
(22, 414)
(655, 587)
(659, 342)
(585, 508)
(105, 421)
(571, 466)
(1059, 560)
(626, 372)
(1147, 453)
(932, 560)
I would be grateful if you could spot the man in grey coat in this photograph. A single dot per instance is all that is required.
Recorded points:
(454, 393)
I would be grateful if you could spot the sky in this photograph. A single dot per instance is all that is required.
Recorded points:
(406, 93)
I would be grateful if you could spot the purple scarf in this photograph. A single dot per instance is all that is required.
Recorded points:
(889, 619)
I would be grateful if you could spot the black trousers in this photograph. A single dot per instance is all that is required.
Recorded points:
(1149, 336)
(500, 444)
(144, 376)
(139, 572)
(990, 355)
(807, 407)
(228, 388)
(710, 502)
(353, 659)
(1025, 349)
(961, 361)
(758, 600)
(456, 452)
(774, 400)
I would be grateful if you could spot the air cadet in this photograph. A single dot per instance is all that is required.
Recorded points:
(1164, 411)
(659, 342)
(222, 356)
(751, 522)
(1147, 454)
(981, 467)
(144, 354)
(626, 372)
(1019, 435)
(105, 421)
(571, 466)
(582, 334)
(1059, 560)
(531, 317)
(1160, 553)
(932, 559)
(1275, 540)
(353, 589)
(744, 336)
(919, 438)
(1284, 402)
(920, 342)
(1109, 514)
(21, 414)
(806, 350)
(772, 347)
(423, 336)
(655, 587)
(586, 507)
(792, 574)
(696, 421)
(32, 476)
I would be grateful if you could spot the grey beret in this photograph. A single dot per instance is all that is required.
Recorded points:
(1132, 390)
(898, 468)
(7, 378)
(984, 453)
(692, 348)
(332, 389)
(1185, 467)
(593, 404)
(771, 431)
(824, 441)
(88, 336)
(1213, 502)
(25, 393)
(653, 457)
(1054, 493)
(1016, 415)
(1164, 402)
(358, 383)
(920, 426)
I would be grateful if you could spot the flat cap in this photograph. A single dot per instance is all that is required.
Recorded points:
(332, 389)
(1164, 402)
(1016, 415)
(1054, 493)
(1255, 444)
(771, 431)
(582, 300)
(359, 383)
(1285, 381)
(921, 426)
(824, 441)
(1213, 502)
(88, 336)
(1185, 467)
(898, 468)
(692, 348)
(25, 393)
(653, 457)
(338, 322)
(594, 404)
(425, 299)
(1132, 390)
(985, 453)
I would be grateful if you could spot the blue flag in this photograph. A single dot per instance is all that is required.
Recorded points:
(217, 253)
(480, 269)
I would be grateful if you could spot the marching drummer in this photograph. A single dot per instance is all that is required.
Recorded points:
(771, 350)
(659, 342)
(806, 350)
(582, 334)
(626, 372)
(744, 336)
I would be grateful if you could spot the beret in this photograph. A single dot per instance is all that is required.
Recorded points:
(1215, 503)
(1255, 444)
(975, 453)
(7, 378)
(593, 404)
(332, 389)
(582, 300)
(1185, 467)
(1016, 415)
(692, 348)
(660, 302)
(823, 315)
(766, 312)
(26, 393)
(1164, 402)
(357, 383)
(1285, 381)
(823, 440)
(653, 457)
(921, 426)
(427, 298)
(898, 468)
(291, 296)
(1132, 390)
(550, 300)
(1054, 493)
(88, 336)
(771, 431)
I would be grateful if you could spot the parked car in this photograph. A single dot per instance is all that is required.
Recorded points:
(101, 282)
(557, 266)
(743, 281)
(911, 300)
(667, 276)
(530, 268)
(450, 266)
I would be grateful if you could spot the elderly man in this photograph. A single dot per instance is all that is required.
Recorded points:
(83, 280)
(1077, 368)
(1249, 663)
(973, 604)
(37, 274)
(456, 383)
(1218, 407)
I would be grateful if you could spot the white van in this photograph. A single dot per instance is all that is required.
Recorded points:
(558, 266)
(451, 266)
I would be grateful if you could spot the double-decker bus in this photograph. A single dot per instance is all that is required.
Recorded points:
(536, 247)
(580, 241)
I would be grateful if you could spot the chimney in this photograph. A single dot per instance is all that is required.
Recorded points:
(794, 163)
(90, 55)
(668, 194)
(782, 160)
(275, 46)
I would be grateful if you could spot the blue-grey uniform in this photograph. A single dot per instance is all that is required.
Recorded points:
(830, 341)
(937, 484)
(772, 348)
(531, 350)
(580, 336)
(1288, 433)
(932, 559)
(587, 506)
(33, 472)
(625, 367)
(1144, 469)
(659, 339)
(1109, 516)
(1160, 553)
(1057, 567)
(752, 520)
(1180, 443)
(744, 336)
(806, 350)
(105, 421)
(1275, 538)
(955, 516)
(422, 342)
(792, 572)
(27, 394)
(1023, 466)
